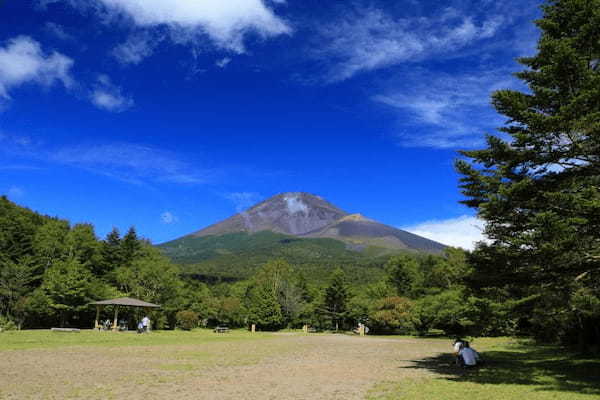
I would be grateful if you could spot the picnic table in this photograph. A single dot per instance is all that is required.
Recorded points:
(221, 329)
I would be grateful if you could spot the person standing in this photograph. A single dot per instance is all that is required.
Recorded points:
(146, 323)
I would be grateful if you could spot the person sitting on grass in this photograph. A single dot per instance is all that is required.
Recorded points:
(468, 357)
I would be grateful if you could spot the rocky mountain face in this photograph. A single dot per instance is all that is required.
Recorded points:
(308, 216)
(289, 213)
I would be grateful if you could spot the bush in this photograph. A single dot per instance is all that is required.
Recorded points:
(391, 314)
(6, 324)
(187, 320)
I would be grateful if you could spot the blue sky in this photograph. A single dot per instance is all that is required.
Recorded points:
(172, 115)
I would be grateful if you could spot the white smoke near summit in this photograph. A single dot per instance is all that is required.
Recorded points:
(295, 205)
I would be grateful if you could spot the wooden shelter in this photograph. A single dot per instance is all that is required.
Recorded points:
(120, 302)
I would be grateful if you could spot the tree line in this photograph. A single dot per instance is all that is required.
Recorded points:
(50, 270)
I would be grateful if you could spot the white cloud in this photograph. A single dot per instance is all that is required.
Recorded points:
(451, 111)
(135, 49)
(168, 218)
(370, 39)
(295, 205)
(222, 63)
(22, 60)
(463, 231)
(108, 97)
(243, 200)
(225, 22)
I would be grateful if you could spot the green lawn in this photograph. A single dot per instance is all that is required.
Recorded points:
(514, 369)
(45, 339)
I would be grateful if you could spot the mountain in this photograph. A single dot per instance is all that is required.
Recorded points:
(300, 227)
(294, 214)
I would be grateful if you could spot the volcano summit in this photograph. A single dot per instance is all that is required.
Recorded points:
(294, 216)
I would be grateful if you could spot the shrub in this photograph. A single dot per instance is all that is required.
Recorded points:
(6, 324)
(187, 320)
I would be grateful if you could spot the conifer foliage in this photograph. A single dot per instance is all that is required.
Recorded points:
(537, 183)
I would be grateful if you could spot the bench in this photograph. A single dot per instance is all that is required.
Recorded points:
(73, 330)
(221, 329)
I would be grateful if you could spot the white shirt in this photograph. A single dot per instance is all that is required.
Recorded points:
(469, 355)
(145, 321)
(457, 346)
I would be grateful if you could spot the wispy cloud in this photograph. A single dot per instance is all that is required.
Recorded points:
(58, 31)
(222, 63)
(370, 39)
(243, 200)
(226, 23)
(131, 163)
(445, 111)
(168, 218)
(108, 96)
(136, 48)
(22, 60)
(464, 231)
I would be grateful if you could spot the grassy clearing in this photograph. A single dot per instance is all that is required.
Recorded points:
(239, 364)
(513, 370)
(45, 339)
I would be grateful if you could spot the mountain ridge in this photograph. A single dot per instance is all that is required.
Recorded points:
(309, 216)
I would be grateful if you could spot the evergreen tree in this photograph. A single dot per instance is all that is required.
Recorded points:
(130, 246)
(112, 254)
(264, 309)
(539, 192)
(336, 298)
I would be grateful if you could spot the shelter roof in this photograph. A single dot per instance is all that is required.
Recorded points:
(125, 301)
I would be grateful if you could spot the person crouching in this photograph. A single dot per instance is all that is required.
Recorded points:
(468, 357)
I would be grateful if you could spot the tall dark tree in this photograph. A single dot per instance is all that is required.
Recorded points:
(264, 309)
(112, 253)
(336, 298)
(539, 190)
(130, 246)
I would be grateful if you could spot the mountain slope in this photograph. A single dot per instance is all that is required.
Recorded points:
(287, 213)
(300, 227)
(359, 232)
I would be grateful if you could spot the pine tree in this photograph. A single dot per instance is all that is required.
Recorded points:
(130, 246)
(336, 298)
(264, 309)
(112, 253)
(539, 190)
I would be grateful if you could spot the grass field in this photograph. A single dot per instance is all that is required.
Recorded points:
(240, 365)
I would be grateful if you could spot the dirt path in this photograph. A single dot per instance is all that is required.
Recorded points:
(280, 367)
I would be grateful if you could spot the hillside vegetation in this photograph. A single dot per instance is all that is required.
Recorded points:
(237, 256)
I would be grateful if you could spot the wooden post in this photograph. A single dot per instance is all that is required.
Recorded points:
(115, 326)
(97, 325)
(253, 328)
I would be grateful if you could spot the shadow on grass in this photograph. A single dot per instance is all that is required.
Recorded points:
(548, 367)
